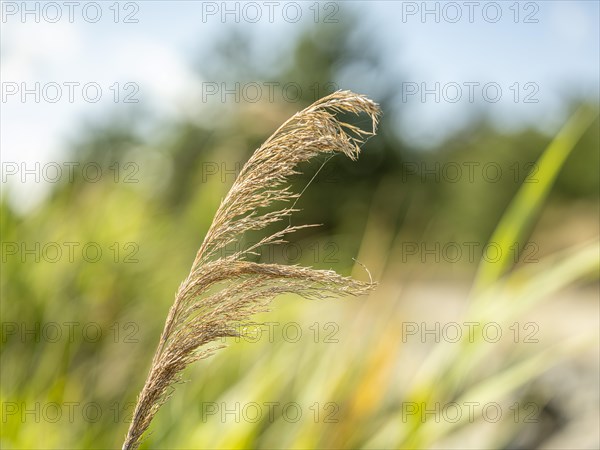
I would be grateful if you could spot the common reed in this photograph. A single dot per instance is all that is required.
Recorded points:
(222, 292)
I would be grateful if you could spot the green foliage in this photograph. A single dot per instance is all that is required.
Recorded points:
(367, 208)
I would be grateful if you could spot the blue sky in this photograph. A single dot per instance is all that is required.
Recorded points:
(558, 55)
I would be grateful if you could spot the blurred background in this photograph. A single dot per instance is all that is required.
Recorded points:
(475, 208)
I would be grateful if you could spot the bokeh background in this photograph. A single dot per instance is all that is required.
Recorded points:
(473, 213)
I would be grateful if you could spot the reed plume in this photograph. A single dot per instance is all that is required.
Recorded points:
(221, 292)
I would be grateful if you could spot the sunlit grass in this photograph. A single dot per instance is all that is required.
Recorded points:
(365, 376)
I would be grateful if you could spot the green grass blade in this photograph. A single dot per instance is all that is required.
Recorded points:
(525, 206)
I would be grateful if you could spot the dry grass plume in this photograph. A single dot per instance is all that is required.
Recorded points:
(220, 293)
